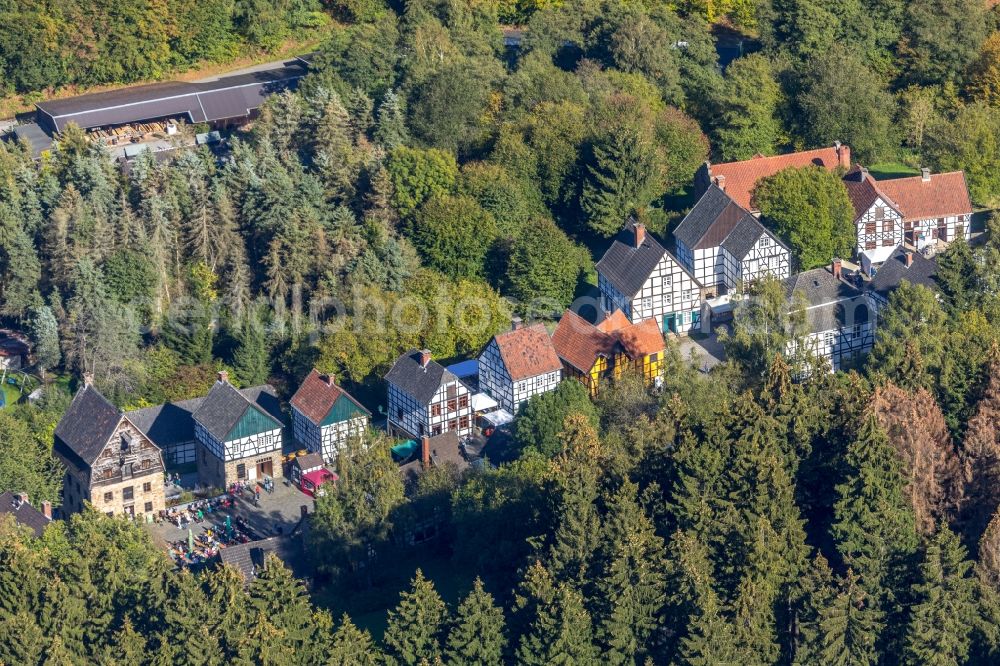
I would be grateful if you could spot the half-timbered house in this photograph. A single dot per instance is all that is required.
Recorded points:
(839, 319)
(723, 245)
(239, 434)
(878, 221)
(935, 207)
(518, 364)
(109, 462)
(325, 416)
(595, 353)
(919, 210)
(425, 399)
(638, 276)
(740, 178)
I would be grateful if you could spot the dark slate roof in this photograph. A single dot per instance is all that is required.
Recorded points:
(308, 461)
(23, 512)
(419, 382)
(709, 208)
(167, 424)
(626, 266)
(35, 136)
(893, 271)
(823, 292)
(225, 97)
(248, 558)
(87, 425)
(717, 220)
(743, 237)
(224, 406)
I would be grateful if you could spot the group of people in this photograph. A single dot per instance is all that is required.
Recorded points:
(194, 512)
(198, 550)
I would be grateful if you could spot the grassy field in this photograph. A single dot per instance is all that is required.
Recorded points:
(885, 170)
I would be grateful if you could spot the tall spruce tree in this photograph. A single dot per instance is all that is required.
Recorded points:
(415, 627)
(942, 617)
(477, 635)
(283, 600)
(577, 534)
(632, 588)
(849, 626)
(874, 526)
(352, 646)
(561, 632)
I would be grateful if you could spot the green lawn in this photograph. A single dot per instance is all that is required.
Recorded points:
(886, 170)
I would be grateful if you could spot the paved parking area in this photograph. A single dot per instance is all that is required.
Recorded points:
(706, 352)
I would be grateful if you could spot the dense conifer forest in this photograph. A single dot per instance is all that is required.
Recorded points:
(427, 182)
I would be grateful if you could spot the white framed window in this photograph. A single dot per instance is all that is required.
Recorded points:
(647, 303)
(668, 299)
(765, 241)
(666, 282)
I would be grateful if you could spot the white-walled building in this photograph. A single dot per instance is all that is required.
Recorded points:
(325, 416)
(519, 364)
(723, 245)
(841, 322)
(239, 434)
(638, 276)
(919, 210)
(424, 399)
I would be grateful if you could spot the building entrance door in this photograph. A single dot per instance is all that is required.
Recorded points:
(265, 468)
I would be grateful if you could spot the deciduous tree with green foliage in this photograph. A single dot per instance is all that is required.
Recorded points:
(808, 207)
(541, 420)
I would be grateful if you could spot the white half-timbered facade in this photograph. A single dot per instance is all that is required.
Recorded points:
(723, 245)
(878, 222)
(424, 399)
(519, 364)
(935, 207)
(841, 322)
(325, 416)
(920, 211)
(238, 437)
(638, 276)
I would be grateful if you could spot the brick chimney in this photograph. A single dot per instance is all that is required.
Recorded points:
(425, 451)
(327, 378)
(88, 379)
(223, 376)
(640, 233)
(516, 323)
(862, 173)
(908, 258)
(21, 498)
(425, 357)
(843, 154)
(925, 174)
(720, 180)
(47, 509)
(836, 267)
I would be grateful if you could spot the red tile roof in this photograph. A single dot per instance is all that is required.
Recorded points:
(580, 343)
(317, 395)
(942, 195)
(528, 352)
(641, 339)
(742, 177)
(863, 190)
